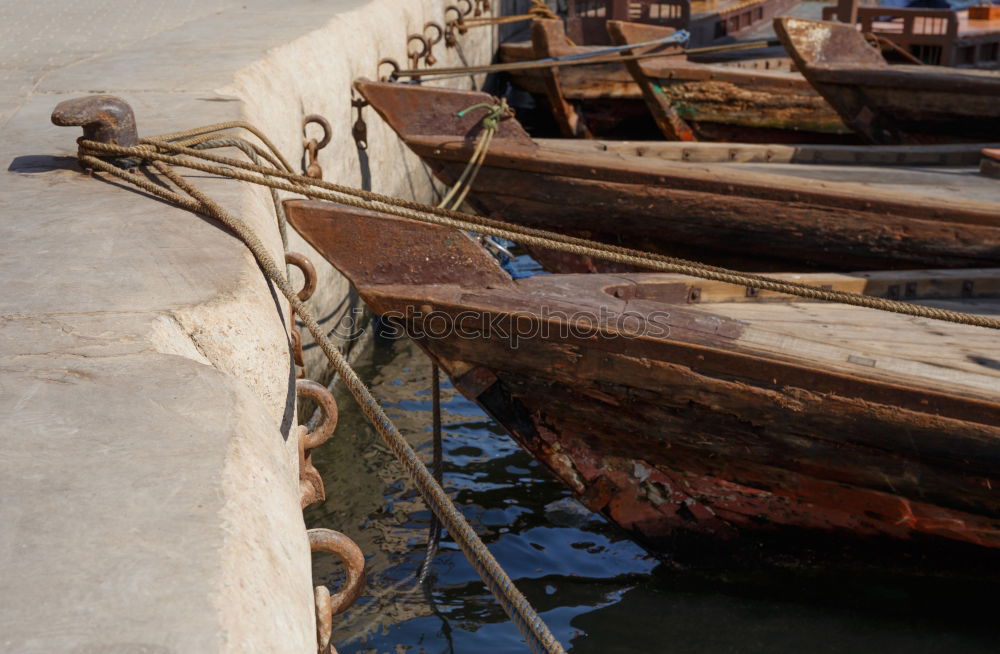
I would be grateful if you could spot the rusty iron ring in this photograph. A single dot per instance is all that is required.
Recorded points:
(471, 7)
(395, 70)
(302, 262)
(322, 122)
(423, 41)
(458, 23)
(458, 15)
(440, 33)
(321, 395)
(336, 543)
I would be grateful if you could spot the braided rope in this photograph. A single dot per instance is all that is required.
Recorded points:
(517, 607)
(592, 58)
(149, 150)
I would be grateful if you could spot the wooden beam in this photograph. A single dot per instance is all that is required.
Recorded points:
(674, 127)
(544, 34)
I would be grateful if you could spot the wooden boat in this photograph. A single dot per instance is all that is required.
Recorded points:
(892, 104)
(708, 21)
(752, 208)
(712, 424)
(747, 99)
(692, 101)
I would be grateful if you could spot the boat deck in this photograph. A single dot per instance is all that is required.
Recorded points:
(912, 352)
(948, 172)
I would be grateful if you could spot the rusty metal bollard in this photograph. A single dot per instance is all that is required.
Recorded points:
(311, 488)
(327, 606)
(313, 146)
(104, 118)
(301, 262)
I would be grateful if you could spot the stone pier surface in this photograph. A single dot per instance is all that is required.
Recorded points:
(148, 484)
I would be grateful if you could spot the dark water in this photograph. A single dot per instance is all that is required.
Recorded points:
(597, 591)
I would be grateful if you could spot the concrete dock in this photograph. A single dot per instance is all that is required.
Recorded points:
(150, 499)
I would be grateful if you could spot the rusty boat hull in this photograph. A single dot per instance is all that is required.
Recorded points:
(746, 207)
(718, 428)
(892, 104)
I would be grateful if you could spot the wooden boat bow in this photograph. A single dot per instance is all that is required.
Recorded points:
(740, 422)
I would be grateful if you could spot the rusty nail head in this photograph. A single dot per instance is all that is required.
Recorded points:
(694, 295)
(753, 291)
(911, 289)
(968, 288)
(893, 292)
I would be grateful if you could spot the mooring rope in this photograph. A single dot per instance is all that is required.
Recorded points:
(437, 470)
(517, 607)
(592, 58)
(323, 190)
(538, 9)
(490, 122)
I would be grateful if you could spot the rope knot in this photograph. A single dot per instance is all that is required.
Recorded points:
(497, 112)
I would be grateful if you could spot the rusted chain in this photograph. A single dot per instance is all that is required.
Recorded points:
(525, 235)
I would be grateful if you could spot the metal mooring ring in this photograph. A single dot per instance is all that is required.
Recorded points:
(423, 42)
(458, 14)
(395, 70)
(336, 543)
(322, 122)
(302, 262)
(319, 394)
(440, 33)
(470, 9)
